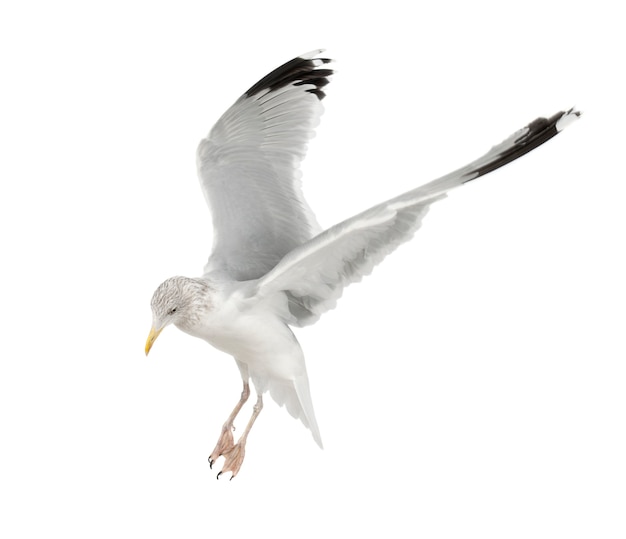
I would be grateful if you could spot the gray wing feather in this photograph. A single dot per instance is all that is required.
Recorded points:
(314, 275)
(249, 170)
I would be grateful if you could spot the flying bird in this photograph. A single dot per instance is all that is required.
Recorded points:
(271, 266)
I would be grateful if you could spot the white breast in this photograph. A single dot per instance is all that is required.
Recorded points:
(253, 333)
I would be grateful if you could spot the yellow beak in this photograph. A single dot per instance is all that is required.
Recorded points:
(151, 338)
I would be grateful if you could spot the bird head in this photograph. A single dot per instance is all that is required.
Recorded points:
(180, 301)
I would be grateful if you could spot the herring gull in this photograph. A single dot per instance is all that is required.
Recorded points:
(271, 265)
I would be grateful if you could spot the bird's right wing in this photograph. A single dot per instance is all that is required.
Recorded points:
(314, 275)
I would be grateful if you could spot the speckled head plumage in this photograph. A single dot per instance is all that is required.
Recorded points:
(180, 301)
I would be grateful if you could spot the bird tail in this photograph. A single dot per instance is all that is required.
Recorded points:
(295, 396)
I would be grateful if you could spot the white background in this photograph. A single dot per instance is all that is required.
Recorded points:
(473, 386)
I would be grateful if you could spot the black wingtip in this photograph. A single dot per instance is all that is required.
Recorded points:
(298, 72)
(532, 136)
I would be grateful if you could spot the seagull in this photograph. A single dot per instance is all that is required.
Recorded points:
(271, 265)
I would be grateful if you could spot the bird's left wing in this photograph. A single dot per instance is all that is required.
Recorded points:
(314, 275)
(248, 170)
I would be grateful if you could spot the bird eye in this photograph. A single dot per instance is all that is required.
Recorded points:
(171, 311)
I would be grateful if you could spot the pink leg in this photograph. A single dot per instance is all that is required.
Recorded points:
(226, 441)
(234, 457)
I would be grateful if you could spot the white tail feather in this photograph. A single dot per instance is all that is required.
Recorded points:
(295, 396)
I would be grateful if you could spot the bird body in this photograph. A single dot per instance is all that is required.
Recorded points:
(253, 330)
(271, 266)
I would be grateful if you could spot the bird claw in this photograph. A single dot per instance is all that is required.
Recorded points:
(234, 460)
(225, 443)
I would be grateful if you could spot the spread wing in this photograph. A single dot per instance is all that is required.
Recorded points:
(248, 170)
(314, 275)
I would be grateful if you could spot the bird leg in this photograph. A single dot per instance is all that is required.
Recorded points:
(234, 457)
(226, 441)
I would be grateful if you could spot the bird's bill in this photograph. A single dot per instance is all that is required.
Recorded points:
(154, 333)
